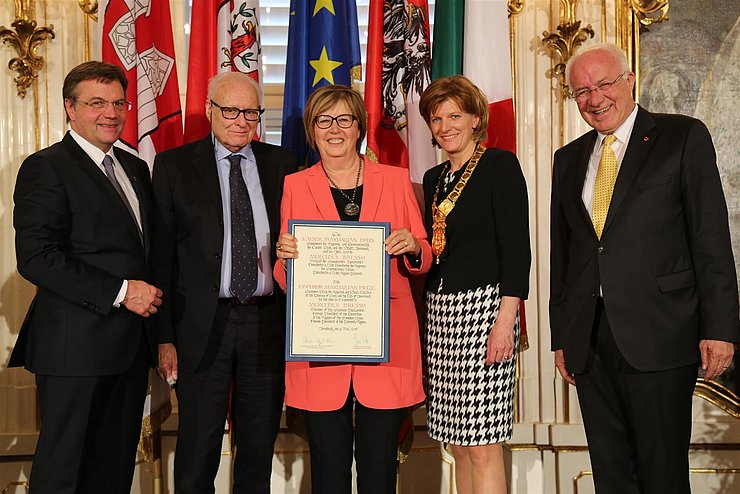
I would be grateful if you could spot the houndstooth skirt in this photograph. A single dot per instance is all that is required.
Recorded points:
(469, 403)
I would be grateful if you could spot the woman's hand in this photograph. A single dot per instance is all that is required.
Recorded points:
(500, 344)
(401, 241)
(286, 248)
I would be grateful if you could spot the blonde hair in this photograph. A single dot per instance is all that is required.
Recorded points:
(327, 97)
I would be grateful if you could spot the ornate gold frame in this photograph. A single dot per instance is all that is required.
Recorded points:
(25, 39)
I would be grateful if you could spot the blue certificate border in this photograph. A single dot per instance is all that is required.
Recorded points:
(291, 321)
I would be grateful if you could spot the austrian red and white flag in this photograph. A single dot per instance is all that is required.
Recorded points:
(136, 35)
(398, 70)
(224, 36)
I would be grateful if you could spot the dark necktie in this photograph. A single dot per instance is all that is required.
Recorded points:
(108, 165)
(243, 242)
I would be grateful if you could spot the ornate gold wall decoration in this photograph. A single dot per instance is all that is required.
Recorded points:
(25, 40)
(563, 44)
(632, 16)
(650, 11)
(90, 8)
(515, 7)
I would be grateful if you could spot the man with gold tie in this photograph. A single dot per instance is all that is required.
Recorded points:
(643, 284)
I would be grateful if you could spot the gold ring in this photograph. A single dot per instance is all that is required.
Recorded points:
(279, 247)
(405, 243)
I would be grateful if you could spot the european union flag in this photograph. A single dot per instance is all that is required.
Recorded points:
(323, 48)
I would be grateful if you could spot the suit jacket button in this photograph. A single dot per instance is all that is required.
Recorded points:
(218, 255)
(215, 288)
(594, 295)
(600, 249)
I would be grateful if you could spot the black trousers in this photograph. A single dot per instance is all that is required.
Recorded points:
(90, 428)
(375, 434)
(638, 424)
(246, 349)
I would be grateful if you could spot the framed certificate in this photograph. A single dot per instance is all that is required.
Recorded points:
(338, 292)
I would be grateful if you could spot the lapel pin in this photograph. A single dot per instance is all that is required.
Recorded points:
(646, 138)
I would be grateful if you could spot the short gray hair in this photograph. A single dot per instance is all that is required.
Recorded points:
(219, 79)
(610, 48)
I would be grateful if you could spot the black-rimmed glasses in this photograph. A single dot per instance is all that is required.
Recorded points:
(344, 121)
(100, 105)
(584, 93)
(231, 113)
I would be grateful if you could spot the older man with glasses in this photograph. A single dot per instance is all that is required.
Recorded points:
(217, 204)
(643, 284)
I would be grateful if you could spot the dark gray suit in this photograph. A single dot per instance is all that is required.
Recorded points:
(666, 271)
(77, 242)
(216, 344)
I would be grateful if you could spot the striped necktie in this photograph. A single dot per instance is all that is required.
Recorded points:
(606, 176)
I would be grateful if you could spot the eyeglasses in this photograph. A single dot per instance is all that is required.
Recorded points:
(231, 113)
(344, 121)
(585, 93)
(100, 105)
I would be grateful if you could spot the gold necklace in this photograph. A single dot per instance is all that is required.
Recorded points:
(439, 213)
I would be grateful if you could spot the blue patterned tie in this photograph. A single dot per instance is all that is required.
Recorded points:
(243, 242)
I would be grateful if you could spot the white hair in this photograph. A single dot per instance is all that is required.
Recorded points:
(220, 79)
(616, 53)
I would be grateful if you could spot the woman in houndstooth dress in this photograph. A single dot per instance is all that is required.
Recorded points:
(473, 291)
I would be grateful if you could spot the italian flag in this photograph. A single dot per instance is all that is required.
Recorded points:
(471, 37)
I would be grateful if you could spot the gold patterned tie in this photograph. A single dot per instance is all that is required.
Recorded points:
(604, 186)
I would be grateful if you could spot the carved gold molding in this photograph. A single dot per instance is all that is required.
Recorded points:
(515, 7)
(718, 395)
(25, 39)
(563, 44)
(90, 8)
(633, 16)
(650, 11)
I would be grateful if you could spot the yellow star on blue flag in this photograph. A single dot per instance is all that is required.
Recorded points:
(323, 48)
(324, 68)
(324, 4)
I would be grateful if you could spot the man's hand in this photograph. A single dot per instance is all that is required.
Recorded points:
(142, 298)
(560, 364)
(716, 357)
(167, 368)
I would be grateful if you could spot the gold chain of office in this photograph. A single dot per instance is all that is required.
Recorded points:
(439, 213)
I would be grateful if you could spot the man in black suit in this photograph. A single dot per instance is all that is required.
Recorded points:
(221, 323)
(643, 284)
(82, 219)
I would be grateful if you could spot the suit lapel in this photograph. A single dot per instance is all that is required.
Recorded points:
(372, 180)
(318, 187)
(269, 184)
(204, 163)
(141, 196)
(578, 178)
(641, 140)
(97, 176)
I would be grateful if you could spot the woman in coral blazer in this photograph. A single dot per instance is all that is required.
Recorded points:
(344, 185)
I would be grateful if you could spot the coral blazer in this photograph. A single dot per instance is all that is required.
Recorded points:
(318, 386)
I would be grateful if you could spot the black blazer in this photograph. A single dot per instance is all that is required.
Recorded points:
(487, 231)
(188, 239)
(664, 261)
(76, 241)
